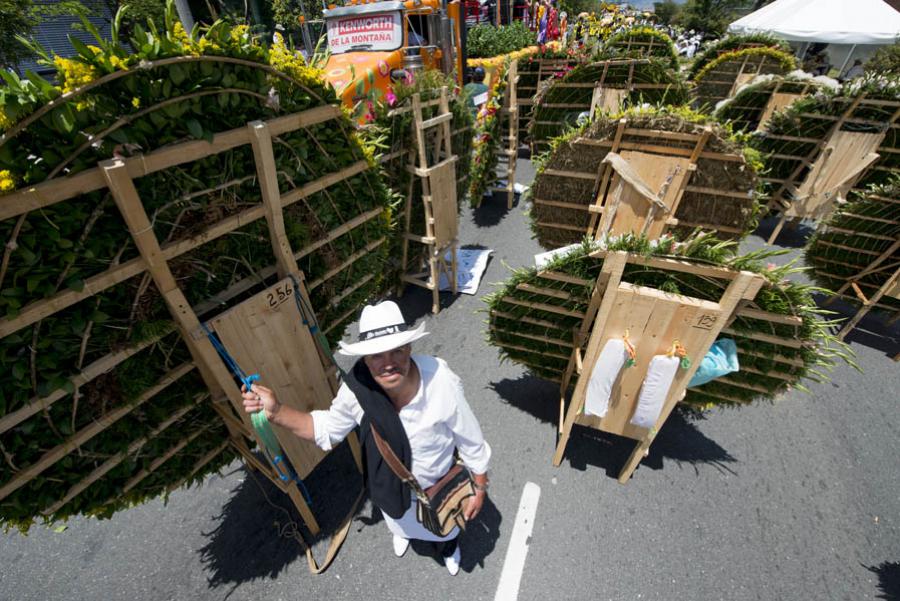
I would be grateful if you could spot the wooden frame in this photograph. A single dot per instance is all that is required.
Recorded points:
(508, 154)
(437, 175)
(118, 176)
(653, 320)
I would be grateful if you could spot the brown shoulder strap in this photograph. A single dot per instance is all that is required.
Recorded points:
(336, 541)
(394, 462)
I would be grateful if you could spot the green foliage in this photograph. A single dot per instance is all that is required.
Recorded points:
(539, 339)
(885, 60)
(635, 42)
(709, 16)
(121, 110)
(731, 43)
(666, 11)
(489, 135)
(17, 19)
(485, 41)
(714, 82)
(659, 85)
(860, 231)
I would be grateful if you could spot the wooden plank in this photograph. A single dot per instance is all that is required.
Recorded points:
(48, 459)
(161, 460)
(347, 263)
(677, 265)
(777, 340)
(267, 174)
(561, 204)
(527, 319)
(544, 353)
(551, 292)
(59, 189)
(444, 201)
(545, 339)
(272, 316)
(98, 367)
(564, 277)
(34, 312)
(543, 307)
(118, 458)
(791, 320)
(560, 226)
(199, 465)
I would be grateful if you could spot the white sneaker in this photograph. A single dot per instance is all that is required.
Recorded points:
(452, 562)
(400, 545)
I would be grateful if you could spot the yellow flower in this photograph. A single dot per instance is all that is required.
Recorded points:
(73, 74)
(7, 183)
(292, 64)
(5, 122)
(206, 46)
(180, 35)
(238, 32)
(136, 102)
(117, 62)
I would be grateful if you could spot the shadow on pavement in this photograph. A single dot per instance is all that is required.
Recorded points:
(492, 210)
(790, 236)
(872, 331)
(256, 532)
(476, 543)
(679, 440)
(888, 580)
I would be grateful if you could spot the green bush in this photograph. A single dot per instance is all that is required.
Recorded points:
(485, 41)
(885, 60)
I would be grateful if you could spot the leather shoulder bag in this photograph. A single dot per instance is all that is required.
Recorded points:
(441, 507)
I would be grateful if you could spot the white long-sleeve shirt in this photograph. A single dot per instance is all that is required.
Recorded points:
(437, 420)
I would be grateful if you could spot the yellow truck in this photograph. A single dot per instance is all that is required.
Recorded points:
(374, 43)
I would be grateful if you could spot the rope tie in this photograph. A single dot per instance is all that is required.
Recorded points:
(629, 348)
(679, 351)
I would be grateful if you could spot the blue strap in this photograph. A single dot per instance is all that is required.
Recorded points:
(285, 472)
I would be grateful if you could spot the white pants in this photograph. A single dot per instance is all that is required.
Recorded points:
(409, 527)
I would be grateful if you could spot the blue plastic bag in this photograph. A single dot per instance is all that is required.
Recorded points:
(721, 359)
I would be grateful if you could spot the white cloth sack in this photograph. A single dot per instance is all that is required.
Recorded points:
(603, 376)
(654, 390)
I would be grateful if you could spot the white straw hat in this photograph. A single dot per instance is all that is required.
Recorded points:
(381, 328)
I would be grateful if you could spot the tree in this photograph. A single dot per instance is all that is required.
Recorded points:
(666, 11)
(710, 16)
(18, 18)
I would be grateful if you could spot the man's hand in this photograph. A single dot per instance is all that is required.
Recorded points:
(260, 398)
(475, 504)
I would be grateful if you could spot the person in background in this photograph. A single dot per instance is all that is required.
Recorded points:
(552, 24)
(416, 404)
(475, 89)
(542, 19)
(854, 71)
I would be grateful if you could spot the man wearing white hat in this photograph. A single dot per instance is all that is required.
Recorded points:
(417, 405)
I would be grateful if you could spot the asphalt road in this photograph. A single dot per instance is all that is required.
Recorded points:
(794, 500)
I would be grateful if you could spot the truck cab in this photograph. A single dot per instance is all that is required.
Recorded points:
(371, 43)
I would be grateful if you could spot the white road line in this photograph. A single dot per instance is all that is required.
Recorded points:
(514, 564)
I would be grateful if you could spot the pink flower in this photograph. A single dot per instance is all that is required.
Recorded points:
(390, 97)
(771, 266)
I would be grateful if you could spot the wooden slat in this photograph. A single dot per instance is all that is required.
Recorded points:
(527, 319)
(161, 460)
(551, 292)
(791, 320)
(561, 226)
(561, 204)
(98, 367)
(200, 464)
(545, 339)
(38, 310)
(564, 277)
(57, 190)
(777, 340)
(119, 457)
(774, 357)
(543, 307)
(49, 458)
(525, 349)
(350, 261)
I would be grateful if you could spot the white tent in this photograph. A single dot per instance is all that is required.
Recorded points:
(828, 21)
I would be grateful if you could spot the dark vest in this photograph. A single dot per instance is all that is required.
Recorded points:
(388, 493)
